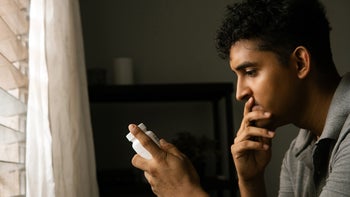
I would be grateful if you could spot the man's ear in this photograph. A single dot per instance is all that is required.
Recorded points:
(302, 61)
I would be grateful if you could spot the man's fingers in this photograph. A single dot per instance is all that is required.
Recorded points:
(140, 162)
(239, 149)
(170, 148)
(148, 177)
(250, 132)
(248, 106)
(145, 141)
(253, 116)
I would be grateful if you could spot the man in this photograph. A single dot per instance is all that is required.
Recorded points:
(280, 51)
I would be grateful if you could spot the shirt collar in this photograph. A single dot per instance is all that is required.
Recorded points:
(338, 110)
(337, 114)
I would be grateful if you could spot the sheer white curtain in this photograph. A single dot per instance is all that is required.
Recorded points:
(60, 159)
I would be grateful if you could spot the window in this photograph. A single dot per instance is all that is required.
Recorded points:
(14, 25)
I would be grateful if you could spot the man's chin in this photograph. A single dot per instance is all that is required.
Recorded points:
(266, 124)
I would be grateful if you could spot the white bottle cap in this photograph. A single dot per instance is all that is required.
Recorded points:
(142, 127)
(130, 137)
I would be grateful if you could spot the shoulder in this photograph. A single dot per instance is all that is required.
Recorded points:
(342, 145)
(338, 180)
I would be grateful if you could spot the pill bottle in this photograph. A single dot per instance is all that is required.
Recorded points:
(137, 146)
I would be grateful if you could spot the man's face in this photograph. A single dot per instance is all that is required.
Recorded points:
(274, 87)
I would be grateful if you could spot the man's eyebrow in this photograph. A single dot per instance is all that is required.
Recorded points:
(244, 65)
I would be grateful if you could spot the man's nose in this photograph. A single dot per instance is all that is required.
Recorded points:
(243, 92)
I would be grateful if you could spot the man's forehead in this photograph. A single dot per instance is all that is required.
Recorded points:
(247, 45)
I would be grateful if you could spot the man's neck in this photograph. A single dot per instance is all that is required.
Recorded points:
(317, 105)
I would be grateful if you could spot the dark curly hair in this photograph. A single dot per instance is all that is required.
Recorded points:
(278, 26)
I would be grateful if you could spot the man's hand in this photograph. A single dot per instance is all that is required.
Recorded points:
(251, 150)
(169, 172)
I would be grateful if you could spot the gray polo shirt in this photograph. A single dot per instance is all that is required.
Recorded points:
(322, 167)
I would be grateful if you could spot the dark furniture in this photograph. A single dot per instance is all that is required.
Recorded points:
(210, 92)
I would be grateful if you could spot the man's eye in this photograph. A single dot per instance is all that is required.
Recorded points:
(250, 73)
